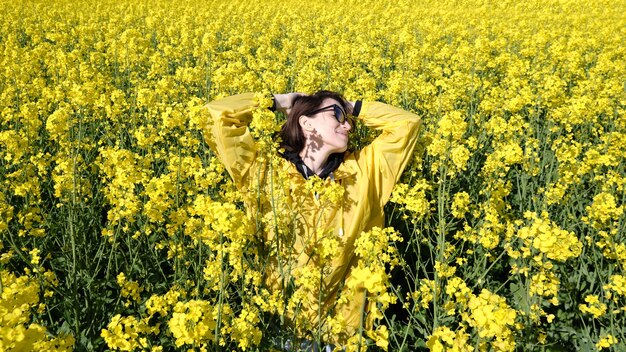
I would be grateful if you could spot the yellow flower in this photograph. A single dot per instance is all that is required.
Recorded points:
(413, 198)
(123, 333)
(544, 283)
(192, 323)
(617, 284)
(380, 337)
(444, 270)
(130, 289)
(603, 208)
(593, 306)
(18, 297)
(444, 339)
(606, 342)
(34, 254)
(492, 317)
(245, 330)
(460, 204)
(374, 282)
(549, 239)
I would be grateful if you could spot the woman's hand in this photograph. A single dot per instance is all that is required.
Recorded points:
(284, 102)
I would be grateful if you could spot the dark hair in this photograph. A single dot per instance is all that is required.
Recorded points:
(291, 133)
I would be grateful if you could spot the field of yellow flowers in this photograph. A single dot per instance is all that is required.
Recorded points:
(121, 230)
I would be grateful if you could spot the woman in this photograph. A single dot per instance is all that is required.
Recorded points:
(314, 142)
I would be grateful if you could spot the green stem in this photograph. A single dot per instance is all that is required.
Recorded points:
(362, 320)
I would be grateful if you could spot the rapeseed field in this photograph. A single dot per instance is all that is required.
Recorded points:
(120, 229)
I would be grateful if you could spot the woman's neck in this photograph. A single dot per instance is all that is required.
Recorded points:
(314, 160)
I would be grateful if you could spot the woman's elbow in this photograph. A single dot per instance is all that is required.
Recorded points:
(414, 124)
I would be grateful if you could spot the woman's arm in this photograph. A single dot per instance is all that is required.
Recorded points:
(284, 102)
(228, 135)
(386, 157)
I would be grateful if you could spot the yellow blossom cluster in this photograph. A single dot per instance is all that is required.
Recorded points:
(447, 144)
(487, 314)
(245, 328)
(413, 198)
(492, 317)
(460, 204)
(444, 339)
(593, 306)
(192, 323)
(163, 304)
(603, 209)
(127, 333)
(376, 252)
(129, 289)
(606, 342)
(425, 293)
(18, 296)
(617, 285)
(547, 238)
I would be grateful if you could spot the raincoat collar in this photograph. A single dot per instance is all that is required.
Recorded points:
(333, 163)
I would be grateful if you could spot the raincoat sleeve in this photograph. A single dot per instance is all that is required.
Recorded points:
(228, 135)
(386, 157)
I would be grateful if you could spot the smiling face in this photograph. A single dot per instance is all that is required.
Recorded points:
(323, 131)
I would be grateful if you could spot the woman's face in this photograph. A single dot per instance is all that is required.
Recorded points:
(324, 129)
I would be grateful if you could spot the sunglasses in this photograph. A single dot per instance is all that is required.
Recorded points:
(340, 114)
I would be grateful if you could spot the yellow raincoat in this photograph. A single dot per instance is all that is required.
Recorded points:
(367, 177)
